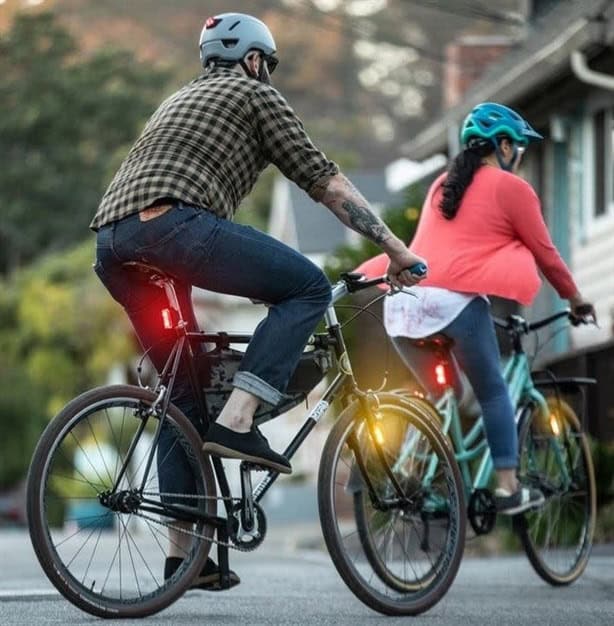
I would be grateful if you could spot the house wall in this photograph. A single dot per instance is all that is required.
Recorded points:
(592, 242)
(563, 170)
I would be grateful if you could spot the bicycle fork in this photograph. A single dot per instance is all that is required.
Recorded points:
(378, 502)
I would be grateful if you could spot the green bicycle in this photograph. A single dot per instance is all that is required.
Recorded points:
(554, 457)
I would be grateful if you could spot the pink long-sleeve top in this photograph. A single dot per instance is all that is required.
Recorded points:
(493, 246)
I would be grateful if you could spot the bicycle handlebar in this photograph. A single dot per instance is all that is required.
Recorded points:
(355, 281)
(518, 325)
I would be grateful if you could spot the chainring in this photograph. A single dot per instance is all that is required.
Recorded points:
(249, 543)
(482, 511)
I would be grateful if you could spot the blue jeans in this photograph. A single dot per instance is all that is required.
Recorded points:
(200, 249)
(477, 352)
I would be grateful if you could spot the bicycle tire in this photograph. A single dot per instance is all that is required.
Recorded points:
(529, 526)
(429, 413)
(385, 592)
(53, 451)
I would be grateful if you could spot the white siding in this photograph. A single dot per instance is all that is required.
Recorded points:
(593, 269)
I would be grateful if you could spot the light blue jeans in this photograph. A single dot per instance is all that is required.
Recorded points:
(477, 352)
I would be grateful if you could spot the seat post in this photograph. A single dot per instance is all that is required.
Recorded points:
(171, 295)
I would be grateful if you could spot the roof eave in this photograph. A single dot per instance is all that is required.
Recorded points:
(526, 76)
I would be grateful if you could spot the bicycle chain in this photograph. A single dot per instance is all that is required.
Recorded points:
(218, 542)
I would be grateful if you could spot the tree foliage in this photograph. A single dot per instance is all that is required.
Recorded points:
(66, 123)
(60, 333)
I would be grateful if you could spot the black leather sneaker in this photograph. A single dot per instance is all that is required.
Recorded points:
(209, 579)
(250, 446)
(522, 500)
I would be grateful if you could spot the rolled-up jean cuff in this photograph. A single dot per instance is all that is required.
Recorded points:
(505, 463)
(254, 385)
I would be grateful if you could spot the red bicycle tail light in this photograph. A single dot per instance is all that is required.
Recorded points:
(167, 319)
(440, 375)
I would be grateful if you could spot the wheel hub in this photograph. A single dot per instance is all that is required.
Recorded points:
(127, 501)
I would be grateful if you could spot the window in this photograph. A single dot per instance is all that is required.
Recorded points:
(602, 142)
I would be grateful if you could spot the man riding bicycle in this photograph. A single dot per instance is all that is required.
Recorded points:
(482, 230)
(171, 205)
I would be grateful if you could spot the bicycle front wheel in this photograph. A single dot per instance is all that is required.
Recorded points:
(555, 458)
(398, 557)
(101, 538)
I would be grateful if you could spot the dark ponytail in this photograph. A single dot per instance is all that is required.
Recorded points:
(460, 174)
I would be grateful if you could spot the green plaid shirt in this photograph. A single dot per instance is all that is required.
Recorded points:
(207, 144)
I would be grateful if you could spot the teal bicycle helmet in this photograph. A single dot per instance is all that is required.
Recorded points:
(489, 120)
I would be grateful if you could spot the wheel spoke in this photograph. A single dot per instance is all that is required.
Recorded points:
(110, 550)
(558, 536)
(381, 550)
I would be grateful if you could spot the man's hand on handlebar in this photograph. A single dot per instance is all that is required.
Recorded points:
(406, 269)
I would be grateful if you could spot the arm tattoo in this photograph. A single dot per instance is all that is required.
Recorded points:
(365, 222)
(350, 206)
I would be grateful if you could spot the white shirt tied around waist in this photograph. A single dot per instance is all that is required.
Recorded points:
(425, 313)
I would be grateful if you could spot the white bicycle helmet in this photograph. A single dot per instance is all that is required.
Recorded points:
(228, 37)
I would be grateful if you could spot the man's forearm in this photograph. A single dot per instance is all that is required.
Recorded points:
(351, 207)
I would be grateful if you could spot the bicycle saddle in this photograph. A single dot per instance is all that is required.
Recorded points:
(149, 272)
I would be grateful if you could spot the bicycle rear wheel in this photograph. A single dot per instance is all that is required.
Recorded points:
(399, 559)
(555, 458)
(101, 540)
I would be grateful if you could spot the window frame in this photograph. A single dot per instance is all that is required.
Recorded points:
(598, 222)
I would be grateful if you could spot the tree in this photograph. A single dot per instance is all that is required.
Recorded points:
(60, 333)
(66, 123)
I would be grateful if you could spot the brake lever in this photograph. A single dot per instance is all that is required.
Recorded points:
(393, 290)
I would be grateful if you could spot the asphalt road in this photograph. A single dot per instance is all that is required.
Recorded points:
(285, 585)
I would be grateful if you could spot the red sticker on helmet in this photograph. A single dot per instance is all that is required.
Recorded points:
(212, 22)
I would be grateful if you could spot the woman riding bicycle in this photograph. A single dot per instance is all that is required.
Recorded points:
(483, 233)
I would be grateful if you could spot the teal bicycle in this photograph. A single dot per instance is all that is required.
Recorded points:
(554, 457)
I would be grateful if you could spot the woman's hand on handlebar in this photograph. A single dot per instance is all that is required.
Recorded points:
(405, 268)
(581, 310)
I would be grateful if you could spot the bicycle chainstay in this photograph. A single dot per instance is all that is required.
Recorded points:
(231, 546)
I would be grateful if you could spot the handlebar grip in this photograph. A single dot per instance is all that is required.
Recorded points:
(418, 270)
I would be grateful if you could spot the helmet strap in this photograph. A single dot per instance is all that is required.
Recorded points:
(508, 167)
(263, 72)
(245, 67)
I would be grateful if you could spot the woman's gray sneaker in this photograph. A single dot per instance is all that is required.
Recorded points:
(522, 500)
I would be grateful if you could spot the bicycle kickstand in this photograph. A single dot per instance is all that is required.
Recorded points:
(222, 555)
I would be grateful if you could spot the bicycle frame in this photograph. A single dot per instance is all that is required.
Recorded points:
(343, 387)
(523, 393)
(517, 375)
